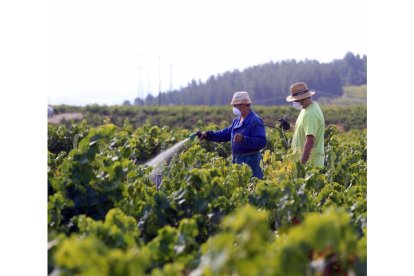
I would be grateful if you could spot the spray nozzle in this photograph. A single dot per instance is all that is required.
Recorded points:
(193, 135)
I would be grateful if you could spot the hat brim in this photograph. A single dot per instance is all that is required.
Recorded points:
(300, 97)
(245, 101)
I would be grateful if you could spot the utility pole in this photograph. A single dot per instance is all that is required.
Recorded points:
(149, 87)
(140, 77)
(159, 80)
(171, 81)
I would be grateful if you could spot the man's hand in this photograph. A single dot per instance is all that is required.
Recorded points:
(238, 138)
(284, 124)
(201, 135)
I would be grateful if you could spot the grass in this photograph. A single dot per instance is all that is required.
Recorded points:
(352, 95)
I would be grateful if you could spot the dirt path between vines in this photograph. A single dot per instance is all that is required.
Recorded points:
(58, 118)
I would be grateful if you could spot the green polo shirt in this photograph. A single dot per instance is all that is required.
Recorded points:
(310, 122)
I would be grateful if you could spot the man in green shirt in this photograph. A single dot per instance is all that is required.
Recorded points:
(309, 130)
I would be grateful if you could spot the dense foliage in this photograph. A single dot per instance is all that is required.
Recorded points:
(208, 217)
(268, 83)
(346, 117)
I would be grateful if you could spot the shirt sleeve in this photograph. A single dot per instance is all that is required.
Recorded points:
(310, 125)
(223, 135)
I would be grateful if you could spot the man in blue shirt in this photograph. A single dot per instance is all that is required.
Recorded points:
(246, 133)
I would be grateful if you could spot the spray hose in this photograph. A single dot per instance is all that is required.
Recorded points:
(283, 134)
(192, 136)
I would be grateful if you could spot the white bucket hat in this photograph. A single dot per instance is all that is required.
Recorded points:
(241, 97)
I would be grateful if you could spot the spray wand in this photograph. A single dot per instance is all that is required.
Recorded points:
(193, 135)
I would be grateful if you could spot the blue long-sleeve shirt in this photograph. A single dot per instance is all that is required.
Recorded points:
(253, 131)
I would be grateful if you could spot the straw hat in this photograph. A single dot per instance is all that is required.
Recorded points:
(299, 91)
(241, 97)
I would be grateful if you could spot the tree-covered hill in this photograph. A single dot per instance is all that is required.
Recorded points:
(268, 84)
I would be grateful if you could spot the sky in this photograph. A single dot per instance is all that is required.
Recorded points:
(106, 52)
(87, 51)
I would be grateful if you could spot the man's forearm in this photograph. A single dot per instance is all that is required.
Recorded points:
(307, 149)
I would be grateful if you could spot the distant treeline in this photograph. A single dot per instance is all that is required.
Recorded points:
(268, 84)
